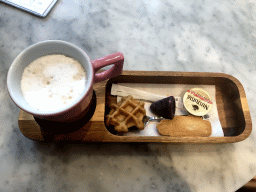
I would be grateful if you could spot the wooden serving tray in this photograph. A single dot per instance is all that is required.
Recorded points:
(231, 102)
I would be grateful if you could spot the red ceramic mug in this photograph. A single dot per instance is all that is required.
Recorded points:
(61, 47)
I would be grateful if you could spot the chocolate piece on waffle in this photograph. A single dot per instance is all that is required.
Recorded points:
(164, 107)
(127, 113)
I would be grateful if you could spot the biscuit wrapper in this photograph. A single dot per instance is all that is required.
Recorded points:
(153, 92)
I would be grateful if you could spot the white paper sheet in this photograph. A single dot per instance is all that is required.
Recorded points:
(154, 92)
(38, 6)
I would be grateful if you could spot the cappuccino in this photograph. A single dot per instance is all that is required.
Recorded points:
(52, 82)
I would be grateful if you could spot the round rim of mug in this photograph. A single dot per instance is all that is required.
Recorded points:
(30, 109)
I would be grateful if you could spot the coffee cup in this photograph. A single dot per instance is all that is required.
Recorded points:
(52, 47)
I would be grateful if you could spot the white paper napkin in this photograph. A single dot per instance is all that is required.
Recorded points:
(154, 92)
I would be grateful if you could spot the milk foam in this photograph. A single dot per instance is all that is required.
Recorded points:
(52, 82)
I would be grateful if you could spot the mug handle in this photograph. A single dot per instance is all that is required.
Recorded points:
(115, 59)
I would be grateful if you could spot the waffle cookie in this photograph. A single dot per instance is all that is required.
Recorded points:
(185, 126)
(125, 114)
